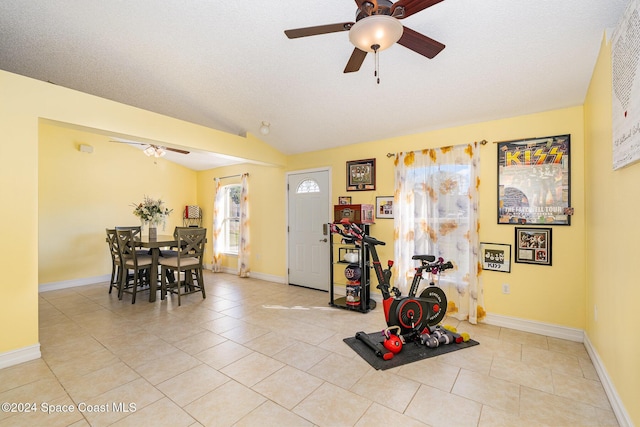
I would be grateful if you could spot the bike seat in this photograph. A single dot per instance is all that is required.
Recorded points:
(428, 258)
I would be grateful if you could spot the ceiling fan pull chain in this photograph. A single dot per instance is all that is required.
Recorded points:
(376, 72)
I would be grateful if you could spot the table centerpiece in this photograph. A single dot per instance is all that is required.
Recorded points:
(152, 212)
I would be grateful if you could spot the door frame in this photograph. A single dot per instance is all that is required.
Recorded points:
(327, 169)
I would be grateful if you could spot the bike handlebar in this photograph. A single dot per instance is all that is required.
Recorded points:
(350, 230)
(437, 266)
(429, 262)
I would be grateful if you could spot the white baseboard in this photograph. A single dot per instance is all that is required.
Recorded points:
(253, 274)
(546, 329)
(54, 286)
(616, 403)
(15, 357)
(269, 278)
(571, 334)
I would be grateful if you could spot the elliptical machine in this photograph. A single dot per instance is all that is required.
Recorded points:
(410, 314)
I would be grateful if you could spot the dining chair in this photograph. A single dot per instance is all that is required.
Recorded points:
(171, 252)
(115, 260)
(188, 260)
(131, 260)
(116, 269)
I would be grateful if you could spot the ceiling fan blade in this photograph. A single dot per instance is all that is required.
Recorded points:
(176, 150)
(319, 29)
(420, 43)
(412, 6)
(127, 142)
(355, 61)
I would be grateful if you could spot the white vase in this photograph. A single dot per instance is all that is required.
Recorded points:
(153, 232)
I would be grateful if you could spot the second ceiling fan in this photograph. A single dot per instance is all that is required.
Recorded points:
(151, 150)
(377, 27)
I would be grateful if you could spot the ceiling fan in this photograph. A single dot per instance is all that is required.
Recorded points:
(153, 150)
(377, 27)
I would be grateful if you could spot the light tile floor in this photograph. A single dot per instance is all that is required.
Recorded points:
(259, 353)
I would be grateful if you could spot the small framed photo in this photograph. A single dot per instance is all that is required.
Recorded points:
(496, 257)
(384, 207)
(533, 245)
(361, 175)
(344, 200)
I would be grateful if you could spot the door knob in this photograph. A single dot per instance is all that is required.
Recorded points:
(324, 240)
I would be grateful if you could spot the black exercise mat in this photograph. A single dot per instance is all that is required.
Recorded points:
(411, 352)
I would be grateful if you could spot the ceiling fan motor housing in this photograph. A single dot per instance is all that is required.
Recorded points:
(384, 8)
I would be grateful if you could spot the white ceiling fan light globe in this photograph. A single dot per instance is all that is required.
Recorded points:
(149, 151)
(381, 30)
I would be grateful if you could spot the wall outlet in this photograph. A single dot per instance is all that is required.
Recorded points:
(506, 289)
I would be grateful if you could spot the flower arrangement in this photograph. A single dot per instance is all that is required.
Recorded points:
(152, 211)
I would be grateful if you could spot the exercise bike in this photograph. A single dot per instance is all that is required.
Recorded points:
(411, 315)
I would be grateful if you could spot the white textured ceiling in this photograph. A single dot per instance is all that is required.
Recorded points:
(229, 66)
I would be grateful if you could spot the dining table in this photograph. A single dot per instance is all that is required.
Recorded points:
(154, 244)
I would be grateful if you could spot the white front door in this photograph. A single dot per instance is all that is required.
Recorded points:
(308, 238)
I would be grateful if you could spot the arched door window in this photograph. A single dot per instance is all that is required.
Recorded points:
(308, 186)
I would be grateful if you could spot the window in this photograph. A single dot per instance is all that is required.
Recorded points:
(442, 204)
(308, 186)
(231, 218)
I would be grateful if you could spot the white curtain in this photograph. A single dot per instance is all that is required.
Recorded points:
(436, 213)
(244, 241)
(218, 217)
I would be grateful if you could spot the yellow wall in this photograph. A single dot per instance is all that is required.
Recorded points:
(612, 236)
(267, 201)
(554, 294)
(81, 194)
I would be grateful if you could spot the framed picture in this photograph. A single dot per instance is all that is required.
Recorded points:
(534, 181)
(533, 245)
(384, 207)
(344, 200)
(496, 257)
(361, 175)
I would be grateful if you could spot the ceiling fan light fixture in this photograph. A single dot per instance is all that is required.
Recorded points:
(155, 151)
(375, 30)
(265, 128)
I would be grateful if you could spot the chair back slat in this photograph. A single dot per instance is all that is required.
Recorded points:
(111, 241)
(175, 231)
(136, 229)
(191, 242)
(126, 244)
